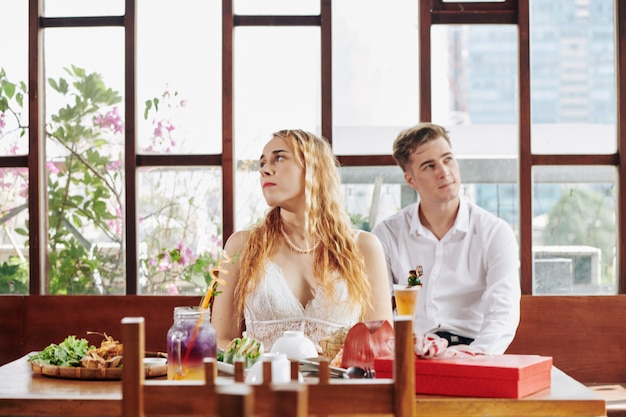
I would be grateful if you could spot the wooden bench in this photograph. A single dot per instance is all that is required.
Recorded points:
(586, 337)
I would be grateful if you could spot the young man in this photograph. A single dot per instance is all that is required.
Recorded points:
(470, 258)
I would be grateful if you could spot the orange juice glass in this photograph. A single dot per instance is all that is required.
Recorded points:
(406, 299)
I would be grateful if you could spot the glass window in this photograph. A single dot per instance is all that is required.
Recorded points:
(371, 194)
(474, 1)
(282, 92)
(14, 266)
(276, 7)
(374, 193)
(179, 221)
(574, 230)
(85, 160)
(375, 74)
(179, 74)
(573, 77)
(14, 272)
(13, 78)
(475, 97)
(62, 8)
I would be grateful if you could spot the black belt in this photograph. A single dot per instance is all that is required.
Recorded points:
(454, 339)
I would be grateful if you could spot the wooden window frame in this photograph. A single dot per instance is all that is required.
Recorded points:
(431, 12)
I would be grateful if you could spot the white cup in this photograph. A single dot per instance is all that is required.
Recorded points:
(281, 369)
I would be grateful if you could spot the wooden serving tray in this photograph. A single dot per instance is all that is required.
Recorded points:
(71, 372)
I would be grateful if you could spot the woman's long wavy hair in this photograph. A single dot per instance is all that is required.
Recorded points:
(338, 254)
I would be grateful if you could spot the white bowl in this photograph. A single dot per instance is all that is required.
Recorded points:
(295, 345)
(150, 361)
(281, 369)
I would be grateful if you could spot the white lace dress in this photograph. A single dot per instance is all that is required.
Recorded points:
(273, 309)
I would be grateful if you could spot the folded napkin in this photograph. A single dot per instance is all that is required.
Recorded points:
(432, 346)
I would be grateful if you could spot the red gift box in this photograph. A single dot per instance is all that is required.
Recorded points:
(495, 376)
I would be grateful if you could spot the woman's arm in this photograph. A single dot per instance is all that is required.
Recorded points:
(224, 315)
(376, 269)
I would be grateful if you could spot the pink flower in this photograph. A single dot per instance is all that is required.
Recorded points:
(111, 120)
(23, 192)
(187, 256)
(3, 123)
(172, 289)
(116, 226)
(52, 167)
(163, 266)
(114, 165)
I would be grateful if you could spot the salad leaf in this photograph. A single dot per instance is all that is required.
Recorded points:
(67, 353)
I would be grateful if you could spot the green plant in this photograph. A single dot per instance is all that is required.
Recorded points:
(13, 277)
(585, 217)
(179, 267)
(85, 188)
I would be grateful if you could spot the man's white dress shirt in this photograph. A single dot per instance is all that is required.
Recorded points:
(471, 284)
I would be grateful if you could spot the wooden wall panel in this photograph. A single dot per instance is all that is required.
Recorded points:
(50, 319)
(585, 335)
(10, 327)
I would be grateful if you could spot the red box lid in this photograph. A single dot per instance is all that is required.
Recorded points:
(509, 367)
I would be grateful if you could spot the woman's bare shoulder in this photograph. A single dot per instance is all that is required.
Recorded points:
(368, 241)
(235, 242)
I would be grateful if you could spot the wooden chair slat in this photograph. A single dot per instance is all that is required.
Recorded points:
(389, 396)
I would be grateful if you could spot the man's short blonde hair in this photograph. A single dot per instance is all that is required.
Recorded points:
(409, 139)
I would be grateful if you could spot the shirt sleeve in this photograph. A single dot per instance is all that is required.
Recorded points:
(501, 300)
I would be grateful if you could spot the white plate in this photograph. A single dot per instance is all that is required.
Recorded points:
(227, 368)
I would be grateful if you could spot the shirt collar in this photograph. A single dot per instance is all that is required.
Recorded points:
(461, 223)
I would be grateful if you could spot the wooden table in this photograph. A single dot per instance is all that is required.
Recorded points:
(25, 394)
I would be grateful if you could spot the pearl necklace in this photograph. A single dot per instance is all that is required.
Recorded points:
(297, 249)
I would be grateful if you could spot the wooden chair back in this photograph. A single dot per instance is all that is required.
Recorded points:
(141, 397)
(324, 396)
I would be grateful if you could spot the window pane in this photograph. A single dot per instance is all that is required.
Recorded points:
(374, 193)
(474, 1)
(375, 74)
(371, 194)
(177, 209)
(14, 271)
(282, 92)
(56, 8)
(85, 160)
(187, 85)
(13, 72)
(574, 224)
(277, 7)
(249, 200)
(474, 72)
(475, 97)
(573, 77)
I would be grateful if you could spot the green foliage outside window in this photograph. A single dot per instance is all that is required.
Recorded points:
(85, 185)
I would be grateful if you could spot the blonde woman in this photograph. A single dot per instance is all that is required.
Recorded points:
(304, 267)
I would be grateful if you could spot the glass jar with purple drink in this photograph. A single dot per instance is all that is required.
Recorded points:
(190, 339)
